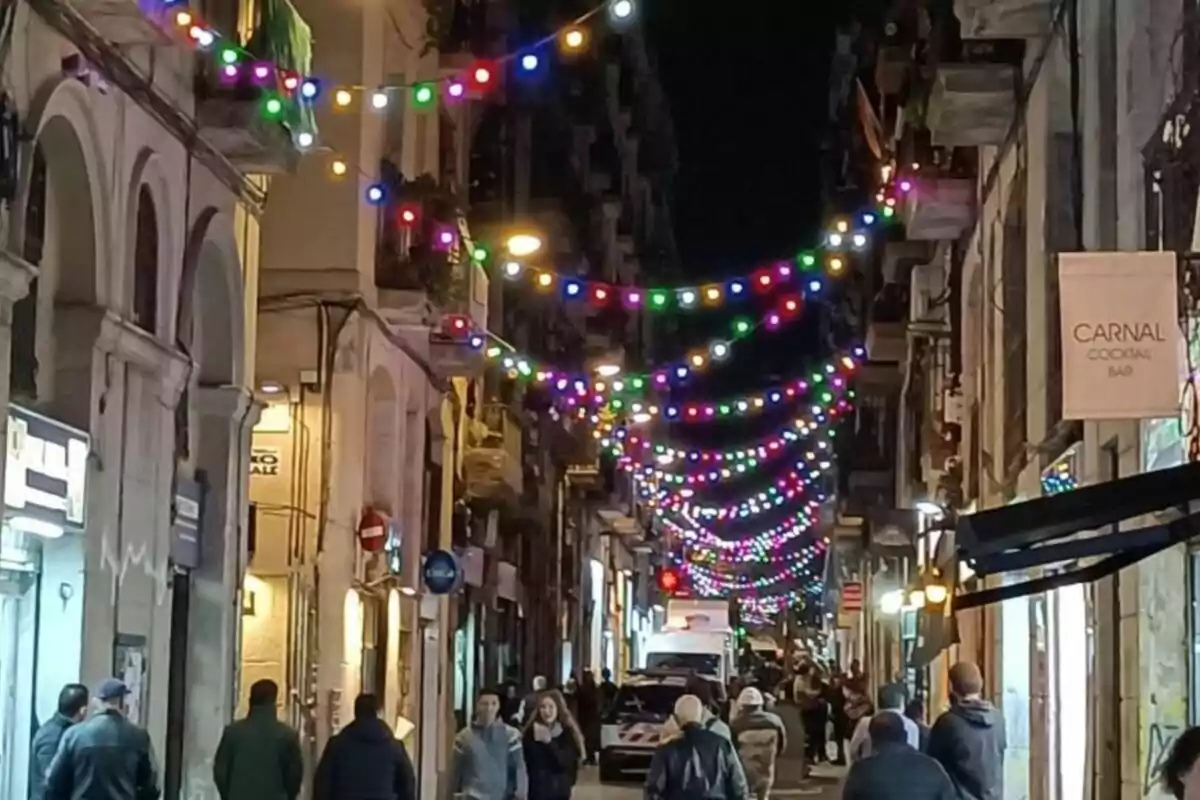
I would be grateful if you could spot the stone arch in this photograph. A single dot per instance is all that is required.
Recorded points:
(63, 125)
(147, 179)
(383, 440)
(210, 318)
(59, 225)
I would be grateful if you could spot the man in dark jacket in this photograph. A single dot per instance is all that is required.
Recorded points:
(698, 764)
(72, 708)
(105, 758)
(968, 740)
(894, 770)
(364, 761)
(258, 757)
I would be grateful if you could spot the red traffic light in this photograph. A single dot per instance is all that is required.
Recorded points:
(668, 580)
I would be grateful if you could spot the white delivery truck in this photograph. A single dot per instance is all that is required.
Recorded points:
(696, 636)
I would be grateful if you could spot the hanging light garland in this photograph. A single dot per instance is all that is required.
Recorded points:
(841, 236)
(710, 580)
(281, 87)
(581, 390)
(631, 447)
(819, 455)
(831, 375)
(744, 549)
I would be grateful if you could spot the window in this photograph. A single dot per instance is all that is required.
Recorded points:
(22, 369)
(145, 264)
(703, 663)
(646, 701)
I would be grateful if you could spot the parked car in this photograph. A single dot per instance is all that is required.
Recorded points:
(633, 726)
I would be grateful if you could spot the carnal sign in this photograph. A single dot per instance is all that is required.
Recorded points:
(264, 461)
(1120, 335)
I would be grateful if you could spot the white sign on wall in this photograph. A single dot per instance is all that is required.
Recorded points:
(264, 461)
(1120, 335)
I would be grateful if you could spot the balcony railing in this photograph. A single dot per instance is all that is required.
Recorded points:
(251, 111)
(424, 245)
(492, 463)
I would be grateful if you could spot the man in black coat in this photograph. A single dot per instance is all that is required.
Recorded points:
(895, 770)
(698, 764)
(364, 761)
(72, 708)
(105, 758)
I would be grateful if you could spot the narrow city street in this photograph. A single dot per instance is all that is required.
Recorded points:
(824, 785)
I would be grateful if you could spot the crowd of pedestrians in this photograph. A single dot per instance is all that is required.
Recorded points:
(532, 745)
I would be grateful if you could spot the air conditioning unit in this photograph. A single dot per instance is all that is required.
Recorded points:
(929, 309)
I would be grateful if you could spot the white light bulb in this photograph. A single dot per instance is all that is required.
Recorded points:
(304, 139)
(379, 100)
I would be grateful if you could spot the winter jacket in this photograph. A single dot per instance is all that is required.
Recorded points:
(489, 763)
(968, 741)
(41, 753)
(105, 758)
(258, 758)
(897, 772)
(553, 766)
(364, 761)
(860, 740)
(759, 738)
(698, 765)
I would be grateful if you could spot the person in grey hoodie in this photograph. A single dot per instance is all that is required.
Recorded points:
(968, 740)
(488, 760)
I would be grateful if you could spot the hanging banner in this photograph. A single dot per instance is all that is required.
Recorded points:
(1120, 335)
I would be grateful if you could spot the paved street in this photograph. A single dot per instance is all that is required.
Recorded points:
(823, 785)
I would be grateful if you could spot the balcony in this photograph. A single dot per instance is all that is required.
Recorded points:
(869, 489)
(231, 107)
(972, 105)
(886, 339)
(900, 257)
(1004, 19)
(127, 22)
(492, 464)
(938, 208)
(929, 314)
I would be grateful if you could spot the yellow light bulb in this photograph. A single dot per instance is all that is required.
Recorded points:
(338, 167)
(697, 360)
(343, 98)
(836, 265)
(842, 226)
(574, 38)
(713, 294)
(545, 279)
(183, 19)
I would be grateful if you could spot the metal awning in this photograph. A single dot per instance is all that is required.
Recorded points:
(1025, 535)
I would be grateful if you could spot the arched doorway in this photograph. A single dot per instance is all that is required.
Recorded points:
(212, 438)
(42, 579)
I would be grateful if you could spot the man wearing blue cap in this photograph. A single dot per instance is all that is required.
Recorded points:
(105, 758)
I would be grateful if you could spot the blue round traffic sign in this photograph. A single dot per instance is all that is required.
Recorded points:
(442, 572)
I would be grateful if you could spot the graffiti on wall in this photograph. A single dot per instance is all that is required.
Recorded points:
(119, 561)
(1159, 740)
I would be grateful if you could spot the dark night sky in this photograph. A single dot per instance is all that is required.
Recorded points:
(748, 86)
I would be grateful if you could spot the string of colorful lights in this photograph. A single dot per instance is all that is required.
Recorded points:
(853, 233)
(756, 547)
(707, 578)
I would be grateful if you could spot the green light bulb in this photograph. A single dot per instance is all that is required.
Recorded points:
(479, 254)
(273, 107)
(229, 56)
(658, 299)
(423, 94)
(741, 327)
(888, 212)
(808, 260)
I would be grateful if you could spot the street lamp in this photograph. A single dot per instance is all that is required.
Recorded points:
(608, 370)
(936, 593)
(891, 602)
(522, 245)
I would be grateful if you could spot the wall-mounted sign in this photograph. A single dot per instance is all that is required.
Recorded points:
(46, 474)
(264, 461)
(185, 523)
(1120, 335)
(442, 572)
